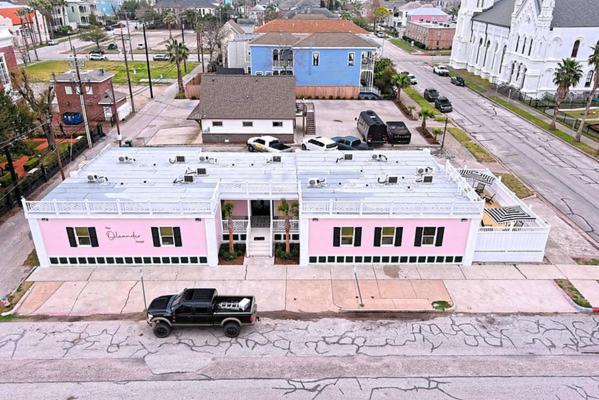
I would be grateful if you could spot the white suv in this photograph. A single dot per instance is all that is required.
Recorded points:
(441, 70)
(319, 143)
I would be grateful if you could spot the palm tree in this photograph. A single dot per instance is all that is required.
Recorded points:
(37, 5)
(228, 214)
(593, 62)
(169, 18)
(424, 114)
(289, 210)
(401, 81)
(199, 28)
(567, 74)
(178, 53)
(454, 11)
(25, 19)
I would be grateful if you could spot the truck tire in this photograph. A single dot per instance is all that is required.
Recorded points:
(232, 329)
(162, 330)
(304, 147)
(251, 148)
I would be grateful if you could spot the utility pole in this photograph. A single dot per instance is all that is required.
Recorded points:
(81, 99)
(128, 34)
(115, 115)
(127, 68)
(148, 61)
(13, 175)
(183, 42)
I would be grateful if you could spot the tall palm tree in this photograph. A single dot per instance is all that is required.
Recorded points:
(289, 210)
(401, 81)
(199, 28)
(25, 19)
(169, 18)
(593, 62)
(178, 53)
(567, 74)
(228, 214)
(37, 6)
(424, 114)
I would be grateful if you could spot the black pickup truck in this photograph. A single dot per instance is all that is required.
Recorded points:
(398, 132)
(201, 307)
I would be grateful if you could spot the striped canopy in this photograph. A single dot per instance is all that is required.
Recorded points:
(477, 175)
(502, 215)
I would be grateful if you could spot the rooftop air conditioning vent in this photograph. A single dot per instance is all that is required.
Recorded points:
(379, 157)
(316, 182)
(201, 171)
(420, 170)
(206, 159)
(345, 157)
(427, 179)
(276, 159)
(388, 180)
(126, 160)
(96, 179)
(177, 160)
(187, 178)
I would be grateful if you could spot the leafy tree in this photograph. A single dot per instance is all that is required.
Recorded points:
(567, 74)
(425, 113)
(383, 75)
(380, 13)
(228, 214)
(270, 13)
(178, 53)
(24, 17)
(15, 118)
(95, 34)
(401, 81)
(594, 63)
(130, 6)
(169, 18)
(289, 211)
(454, 11)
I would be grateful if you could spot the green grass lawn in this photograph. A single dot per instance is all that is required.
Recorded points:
(572, 292)
(42, 71)
(586, 261)
(421, 101)
(516, 185)
(593, 113)
(405, 46)
(472, 81)
(544, 125)
(473, 147)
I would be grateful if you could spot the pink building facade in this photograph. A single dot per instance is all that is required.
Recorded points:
(163, 206)
(427, 14)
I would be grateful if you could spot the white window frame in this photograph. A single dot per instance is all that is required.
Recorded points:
(317, 54)
(83, 235)
(4, 75)
(392, 236)
(589, 79)
(351, 61)
(89, 89)
(166, 235)
(68, 89)
(258, 73)
(434, 236)
(352, 236)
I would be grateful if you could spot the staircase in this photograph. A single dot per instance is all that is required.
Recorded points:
(260, 242)
(310, 120)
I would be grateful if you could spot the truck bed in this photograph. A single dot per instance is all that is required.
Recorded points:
(234, 304)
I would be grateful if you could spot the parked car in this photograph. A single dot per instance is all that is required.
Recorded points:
(112, 46)
(96, 51)
(201, 307)
(372, 128)
(443, 104)
(350, 143)
(269, 144)
(441, 70)
(51, 42)
(319, 143)
(430, 95)
(161, 57)
(380, 34)
(458, 81)
(97, 57)
(412, 77)
(398, 132)
(140, 46)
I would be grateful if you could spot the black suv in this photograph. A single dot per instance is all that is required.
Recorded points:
(398, 132)
(431, 95)
(443, 104)
(457, 80)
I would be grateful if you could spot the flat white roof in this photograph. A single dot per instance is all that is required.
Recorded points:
(146, 174)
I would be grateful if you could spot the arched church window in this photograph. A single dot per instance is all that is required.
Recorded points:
(575, 49)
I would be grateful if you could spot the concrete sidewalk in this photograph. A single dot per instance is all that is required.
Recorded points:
(477, 289)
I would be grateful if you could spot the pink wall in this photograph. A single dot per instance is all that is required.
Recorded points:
(428, 18)
(240, 208)
(321, 237)
(54, 234)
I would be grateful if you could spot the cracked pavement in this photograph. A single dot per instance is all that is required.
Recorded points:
(446, 357)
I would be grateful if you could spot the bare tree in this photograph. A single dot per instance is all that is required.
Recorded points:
(213, 35)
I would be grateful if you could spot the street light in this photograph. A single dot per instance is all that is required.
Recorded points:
(444, 131)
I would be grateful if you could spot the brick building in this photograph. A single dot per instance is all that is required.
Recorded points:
(8, 61)
(97, 87)
(429, 35)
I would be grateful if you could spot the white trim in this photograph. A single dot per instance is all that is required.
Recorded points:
(212, 241)
(38, 242)
(162, 244)
(471, 242)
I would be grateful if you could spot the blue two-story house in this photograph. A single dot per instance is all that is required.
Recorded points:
(325, 65)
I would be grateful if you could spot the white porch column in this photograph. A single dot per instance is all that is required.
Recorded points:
(38, 242)
(471, 244)
(211, 241)
(304, 226)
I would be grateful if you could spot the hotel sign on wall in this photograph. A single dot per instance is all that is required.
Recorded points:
(123, 236)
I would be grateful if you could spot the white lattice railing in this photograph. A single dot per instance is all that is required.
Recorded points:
(378, 208)
(289, 189)
(239, 225)
(278, 225)
(118, 207)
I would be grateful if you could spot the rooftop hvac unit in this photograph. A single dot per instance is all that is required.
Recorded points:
(206, 159)
(392, 180)
(348, 156)
(316, 182)
(427, 179)
(177, 159)
(379, 157)
(126, 159)
(201, 171)
(420, 170)
(188, 178)
(96, 179)
(276, 159)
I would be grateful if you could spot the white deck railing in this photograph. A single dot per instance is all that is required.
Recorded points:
(262, 189)
(385, 208)
(239, 225)
(118, 207)
(278, 225)
(511, 244)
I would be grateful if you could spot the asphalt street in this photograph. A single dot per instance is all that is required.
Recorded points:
(457, 357)
(566, 178)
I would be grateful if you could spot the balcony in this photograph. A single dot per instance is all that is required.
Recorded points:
(278, 225)
(367, 64)
(239, 226)
(283, 64)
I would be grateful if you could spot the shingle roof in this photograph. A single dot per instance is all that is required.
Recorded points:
(500, 14)
(234, 26)
(336, 39)
(96, 75)
(310, 26)
(184, 4)
(246, 96)
(276, 38)
(575, 13)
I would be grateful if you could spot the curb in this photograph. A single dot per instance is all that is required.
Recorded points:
(580, 309)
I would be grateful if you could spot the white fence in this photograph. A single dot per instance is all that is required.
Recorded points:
(239, 225)
(386, 208)
(278, 225)
(118, 207)
(524, 244)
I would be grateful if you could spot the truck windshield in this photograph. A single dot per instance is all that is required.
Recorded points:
(331, 145)
(177, 300)
(275, 143)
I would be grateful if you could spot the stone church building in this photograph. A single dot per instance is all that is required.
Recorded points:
(520, 42)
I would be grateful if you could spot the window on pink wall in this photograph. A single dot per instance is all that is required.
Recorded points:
(429, 236)
(82, 236)
(165, 236)
(347, 236)
(388, 236)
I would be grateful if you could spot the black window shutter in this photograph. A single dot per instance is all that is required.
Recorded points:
(177, 233)
(155, 236)
(439, 239)
(418, 238)
(336, 237)
(357, 236)
(398, 235)
(72, 238)
(92, 236)
(377, 237)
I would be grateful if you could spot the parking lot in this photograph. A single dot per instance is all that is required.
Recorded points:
(339, 117)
